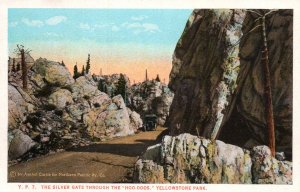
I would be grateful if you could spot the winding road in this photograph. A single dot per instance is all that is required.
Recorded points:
(106, 162)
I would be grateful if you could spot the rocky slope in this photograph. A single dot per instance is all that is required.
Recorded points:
(189, 159)
(58, 112)
(218, 80)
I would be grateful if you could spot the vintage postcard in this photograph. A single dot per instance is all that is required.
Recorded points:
(113, 96)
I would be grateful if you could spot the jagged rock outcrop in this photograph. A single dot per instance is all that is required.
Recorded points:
(151, 97)
(218, 80)
(189, 159)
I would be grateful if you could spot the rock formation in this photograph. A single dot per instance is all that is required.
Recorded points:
(189, 159)
(58, 112)
(151, 97)
(218, 80)
(109, 82)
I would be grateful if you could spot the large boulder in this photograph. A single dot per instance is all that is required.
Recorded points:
(60, 98)
(135, 120)
(51, 73)
(19, 145)
(76, 110)
(189, 159)
(161, 106)
(218, 80)
(20, 104)
(84, 86)
(109, 120)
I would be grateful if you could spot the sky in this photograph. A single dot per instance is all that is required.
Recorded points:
(118, 40)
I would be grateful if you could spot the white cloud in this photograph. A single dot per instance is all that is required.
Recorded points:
(56, 20)
(150, 27)
(115, 28)
(101, 25)
(141, 27)
(89, 27)
(50, 34)
(133, 25)
(13, 24)
(139, 18)
(86, 26)
(32, 23)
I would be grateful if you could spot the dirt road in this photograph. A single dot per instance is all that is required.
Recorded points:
(106, 162)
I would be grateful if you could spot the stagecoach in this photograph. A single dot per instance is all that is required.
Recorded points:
(150, 122)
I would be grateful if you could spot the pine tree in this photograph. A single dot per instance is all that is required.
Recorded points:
(82, 71)
(76, 75)
(88, 65)
(157, 78)
(13, 65)
(18, 66)
(105, 89)
(21, 52)
(101, 85)
(121, 87)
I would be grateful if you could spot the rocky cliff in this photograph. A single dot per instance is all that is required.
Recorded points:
(218, 79)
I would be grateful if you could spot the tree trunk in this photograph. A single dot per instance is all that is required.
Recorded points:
(268, 92)
(24, 69)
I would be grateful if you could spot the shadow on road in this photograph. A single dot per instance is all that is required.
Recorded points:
(124, 149)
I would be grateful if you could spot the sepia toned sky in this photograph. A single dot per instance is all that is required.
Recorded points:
(119, 40)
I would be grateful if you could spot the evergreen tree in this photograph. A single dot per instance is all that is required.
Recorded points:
(76, 75)
(18, 67)
(21, 52)
(105, 89)
(101, 85)
(121, 87)
(157, 78)
(82, 71)
(88, 65)
(13, 66)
